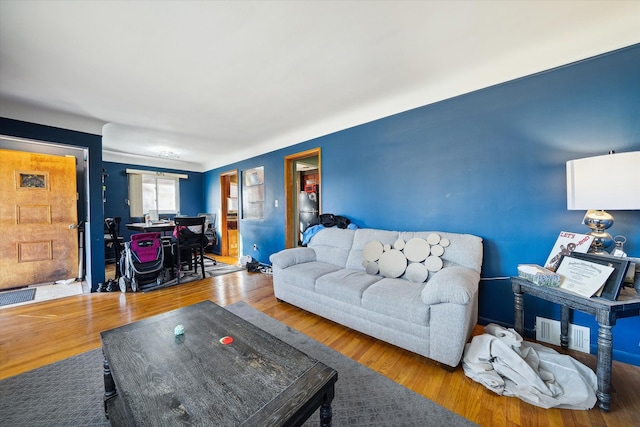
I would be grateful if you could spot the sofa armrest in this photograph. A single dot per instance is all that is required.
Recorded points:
(293, 256)
(455, 285)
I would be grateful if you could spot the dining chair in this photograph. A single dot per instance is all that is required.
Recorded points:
(189, 240)
(113, 240)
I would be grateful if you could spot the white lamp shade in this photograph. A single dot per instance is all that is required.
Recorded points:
(609, 182)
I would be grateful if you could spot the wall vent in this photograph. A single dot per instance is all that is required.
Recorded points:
(548, 331)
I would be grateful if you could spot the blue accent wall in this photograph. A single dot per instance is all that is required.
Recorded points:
(117, 189)
(489, 163)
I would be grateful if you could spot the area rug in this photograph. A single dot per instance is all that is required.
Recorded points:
(211, 269)
(14, 297)
(214, 268)
(69, 392)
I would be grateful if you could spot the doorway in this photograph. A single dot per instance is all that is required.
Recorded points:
(302, 184)
(229, 214)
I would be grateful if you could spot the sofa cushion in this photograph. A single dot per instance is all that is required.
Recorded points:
(332, 245)
(397, 298)
(345, 285)
(305, 275)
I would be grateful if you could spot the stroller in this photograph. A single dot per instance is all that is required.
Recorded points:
(141, 262)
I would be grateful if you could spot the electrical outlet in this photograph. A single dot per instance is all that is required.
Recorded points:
(255, 247)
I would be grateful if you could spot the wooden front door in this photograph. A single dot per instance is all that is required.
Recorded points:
(38, 218)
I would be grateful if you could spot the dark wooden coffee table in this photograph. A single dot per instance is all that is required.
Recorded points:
(153, 378)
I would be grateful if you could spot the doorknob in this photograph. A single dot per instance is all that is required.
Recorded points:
(73, 226)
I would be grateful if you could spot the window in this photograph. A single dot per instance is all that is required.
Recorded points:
(153, 191)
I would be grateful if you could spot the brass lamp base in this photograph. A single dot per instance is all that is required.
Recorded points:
(599, 222)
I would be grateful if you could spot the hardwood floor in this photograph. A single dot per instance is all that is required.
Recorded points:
(41, 333)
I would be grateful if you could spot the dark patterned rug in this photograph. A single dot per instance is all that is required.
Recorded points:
(211, 269)
(69, 392)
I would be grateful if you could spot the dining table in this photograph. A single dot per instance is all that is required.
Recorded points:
(145, 227)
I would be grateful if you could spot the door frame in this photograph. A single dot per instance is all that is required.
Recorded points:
(290, 194)
(81, 154)
(224, 190)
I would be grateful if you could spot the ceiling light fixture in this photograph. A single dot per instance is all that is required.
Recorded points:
(168, 155)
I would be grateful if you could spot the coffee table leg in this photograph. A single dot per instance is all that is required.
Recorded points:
(325, 414)
(325, 409)
(109, 385)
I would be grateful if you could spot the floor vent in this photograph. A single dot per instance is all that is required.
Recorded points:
(548, 331)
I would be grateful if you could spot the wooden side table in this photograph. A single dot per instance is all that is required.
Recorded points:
(605, 311)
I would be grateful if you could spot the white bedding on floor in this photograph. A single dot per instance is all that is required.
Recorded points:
(501, 361)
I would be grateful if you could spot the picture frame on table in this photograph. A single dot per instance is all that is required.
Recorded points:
(614, 283)
(566, 244)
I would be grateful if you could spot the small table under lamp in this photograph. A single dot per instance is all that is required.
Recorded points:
(586, 190)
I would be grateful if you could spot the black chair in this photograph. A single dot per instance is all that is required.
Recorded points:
(190, 241)
(210, 234)
(113, 240)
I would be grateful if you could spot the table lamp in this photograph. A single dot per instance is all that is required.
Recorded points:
(587, 189)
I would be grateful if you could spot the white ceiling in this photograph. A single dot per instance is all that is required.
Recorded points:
(220, 81)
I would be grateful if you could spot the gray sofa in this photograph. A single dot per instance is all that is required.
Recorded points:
(433, 318)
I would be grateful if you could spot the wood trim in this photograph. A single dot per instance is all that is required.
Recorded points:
(225, 182)
(289, 194)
